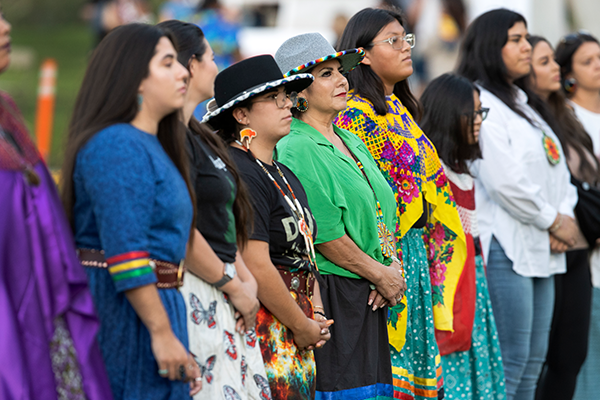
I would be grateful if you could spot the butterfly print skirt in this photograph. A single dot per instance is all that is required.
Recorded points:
(231, 364)
(291, 372)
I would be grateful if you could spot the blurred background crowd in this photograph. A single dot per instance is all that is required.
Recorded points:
(67, 31)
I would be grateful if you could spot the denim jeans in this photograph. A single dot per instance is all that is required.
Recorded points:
(523, 310)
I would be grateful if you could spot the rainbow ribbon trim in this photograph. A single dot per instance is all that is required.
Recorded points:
(129, 265)
(309, 64)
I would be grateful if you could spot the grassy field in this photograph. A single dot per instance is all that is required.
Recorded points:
(70, 45)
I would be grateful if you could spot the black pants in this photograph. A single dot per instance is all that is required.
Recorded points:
(570, 329)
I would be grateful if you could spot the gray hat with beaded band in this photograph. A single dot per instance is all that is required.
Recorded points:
(301, 53)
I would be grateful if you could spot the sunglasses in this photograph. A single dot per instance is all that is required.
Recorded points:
(571, 37)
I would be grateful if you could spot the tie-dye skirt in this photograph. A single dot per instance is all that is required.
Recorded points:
(290, 371)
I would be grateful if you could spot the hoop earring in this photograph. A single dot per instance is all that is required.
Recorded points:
(570, 85)
(302, 104)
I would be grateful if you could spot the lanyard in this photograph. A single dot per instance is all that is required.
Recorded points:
(296, 209)
(386, 240)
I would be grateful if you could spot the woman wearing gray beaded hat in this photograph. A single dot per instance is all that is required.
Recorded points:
(353, 206)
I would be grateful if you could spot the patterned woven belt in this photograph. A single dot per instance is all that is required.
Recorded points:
(169, 275)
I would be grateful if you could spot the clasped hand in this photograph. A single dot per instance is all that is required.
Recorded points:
(389, 289)
(315, 333)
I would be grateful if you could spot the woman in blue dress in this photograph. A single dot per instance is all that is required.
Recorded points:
(126, 189)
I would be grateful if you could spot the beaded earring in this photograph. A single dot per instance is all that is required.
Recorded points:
(246, 136)
(140, 99)
(570, 85)
(302, 104)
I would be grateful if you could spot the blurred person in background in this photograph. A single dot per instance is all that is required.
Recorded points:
(221, 26)
(106, 15)
(355, 210)
(48, 343)
(472, 366)
(222, 339)
(252, 113)
(440, 26)
(127, 191)
(381, 112)
(568, 342)
(524, 197)
(92, 13)
(181, 10)
(578, 55)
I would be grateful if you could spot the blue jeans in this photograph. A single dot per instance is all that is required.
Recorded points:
(523, 310)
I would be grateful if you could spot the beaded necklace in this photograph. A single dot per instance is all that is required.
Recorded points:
(295, 206)
(386, 241)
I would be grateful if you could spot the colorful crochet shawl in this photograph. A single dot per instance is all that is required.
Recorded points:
(410, 164)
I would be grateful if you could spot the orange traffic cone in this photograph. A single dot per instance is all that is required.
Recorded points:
(45, 106)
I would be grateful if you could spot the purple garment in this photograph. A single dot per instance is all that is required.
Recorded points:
(41, 279)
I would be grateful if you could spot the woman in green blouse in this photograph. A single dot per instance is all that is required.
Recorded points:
(353, 207)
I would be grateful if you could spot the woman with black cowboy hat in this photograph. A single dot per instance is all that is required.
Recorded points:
(355, 210)
(221, 296)
(252, 113)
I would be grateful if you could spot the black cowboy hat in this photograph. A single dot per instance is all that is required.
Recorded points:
(247, 78)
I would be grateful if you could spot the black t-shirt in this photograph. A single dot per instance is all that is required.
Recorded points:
(274, 220)
(215, 193)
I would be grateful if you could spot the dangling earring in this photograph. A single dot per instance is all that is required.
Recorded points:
(570, 85)
(302, 104)
(246, 136)
(140, 99)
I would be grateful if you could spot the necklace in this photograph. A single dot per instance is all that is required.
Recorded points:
(386, 240)
(296, 209)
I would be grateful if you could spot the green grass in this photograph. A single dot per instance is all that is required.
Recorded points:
(70, 45)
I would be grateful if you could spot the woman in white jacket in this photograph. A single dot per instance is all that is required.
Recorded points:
(524, 197)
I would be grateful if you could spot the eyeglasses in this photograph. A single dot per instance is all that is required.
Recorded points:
(483, 112)
(397, 42)
(279, 99)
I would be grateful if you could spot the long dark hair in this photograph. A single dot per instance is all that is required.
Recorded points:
(189, 42)
(362, 28)
(108, 95)
(572, 134)
(566, 49)
(448, 118)
(480, 57)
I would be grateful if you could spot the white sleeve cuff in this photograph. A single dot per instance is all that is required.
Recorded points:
(546, 217)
